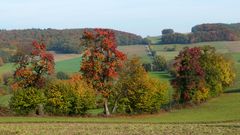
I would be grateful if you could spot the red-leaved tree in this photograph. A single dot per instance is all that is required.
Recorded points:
(189, 81)
(33, 68)
(101, 61)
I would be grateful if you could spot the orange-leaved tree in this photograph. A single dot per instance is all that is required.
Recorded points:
(33, 68)
(100, 61)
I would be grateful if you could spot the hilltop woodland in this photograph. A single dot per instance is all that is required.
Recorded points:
(203, 33)
(60, 41)
(109, 79)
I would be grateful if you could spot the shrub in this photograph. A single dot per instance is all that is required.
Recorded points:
(147, 66)
(69, 97)
(170, 49)
(62, 75)
(170, 68)
(136, 92)
(25, 101)
(160, 63)
(7, 78)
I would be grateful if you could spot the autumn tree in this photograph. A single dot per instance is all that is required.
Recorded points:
(136, 92)
(100, 61)
(201, 73)
(33, 68)
(189, 81)
(219, 72)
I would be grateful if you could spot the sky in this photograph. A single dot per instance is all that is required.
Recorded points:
(143, 17)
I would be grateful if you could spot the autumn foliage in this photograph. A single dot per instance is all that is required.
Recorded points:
(201, 73)
(101, 60)
(136, 91)
(69, 97)
(32, 69)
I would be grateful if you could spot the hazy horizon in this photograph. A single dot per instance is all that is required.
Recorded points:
(142, 17)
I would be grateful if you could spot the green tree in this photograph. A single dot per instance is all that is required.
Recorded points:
(160, 63)
(219, 72)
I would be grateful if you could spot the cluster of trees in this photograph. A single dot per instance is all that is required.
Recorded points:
(108, 79)
(159, 62)
(201, 73)
(203, 33)
(64, 41)
(106, 75)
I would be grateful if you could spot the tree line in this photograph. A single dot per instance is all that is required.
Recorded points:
(203, 33)
(61, 41)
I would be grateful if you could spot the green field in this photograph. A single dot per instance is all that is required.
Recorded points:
(222, 47)
(68, 66)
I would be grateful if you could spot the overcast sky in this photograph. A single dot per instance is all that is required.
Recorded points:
(143, 17)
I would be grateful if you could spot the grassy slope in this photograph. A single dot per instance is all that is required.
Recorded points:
(224, 108)
(69, 66)
(155, 40)
(222, 47)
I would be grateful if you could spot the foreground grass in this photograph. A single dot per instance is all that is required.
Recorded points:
(117, 129)
(221, 109)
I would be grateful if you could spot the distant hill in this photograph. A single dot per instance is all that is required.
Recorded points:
(64, 41)
(202, 33)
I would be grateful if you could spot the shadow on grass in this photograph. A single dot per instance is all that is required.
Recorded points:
(233, 91)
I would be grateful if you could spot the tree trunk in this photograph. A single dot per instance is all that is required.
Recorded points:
(114, 108)
(106, 110)
(116, 104)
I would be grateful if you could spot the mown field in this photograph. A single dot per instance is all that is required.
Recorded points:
(217, 116)
(118, 129)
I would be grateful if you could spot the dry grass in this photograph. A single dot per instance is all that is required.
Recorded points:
(117, 129)
(136, 50)
(62, 57)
